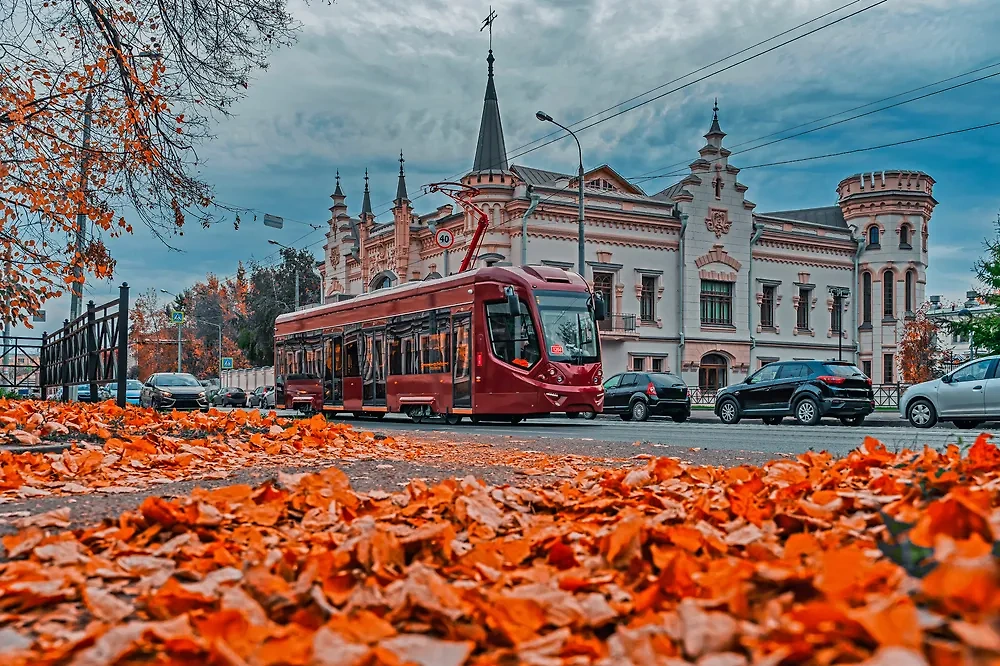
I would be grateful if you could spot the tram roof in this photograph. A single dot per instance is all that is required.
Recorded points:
(525, 276)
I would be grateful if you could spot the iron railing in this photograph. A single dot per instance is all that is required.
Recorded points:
(19, 356)
(618, 323)
(92, 349)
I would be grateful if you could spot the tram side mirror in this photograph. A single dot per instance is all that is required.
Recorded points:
(512, 303)
(600, 308)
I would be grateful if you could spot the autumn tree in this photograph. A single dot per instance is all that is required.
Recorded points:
(920, 356)
(271, 292)
(102, 106)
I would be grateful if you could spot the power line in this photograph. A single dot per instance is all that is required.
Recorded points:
(509, 158)
(645, 176)
(854, 151)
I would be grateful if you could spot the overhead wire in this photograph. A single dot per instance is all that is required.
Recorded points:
(517, 154)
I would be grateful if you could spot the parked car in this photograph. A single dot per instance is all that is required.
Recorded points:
(807, 390)
(211, 388)
(230, 396)
(635, 396)
(83, 393)
(966, 396)
(133, 389)
(173, 390)
(262, 396)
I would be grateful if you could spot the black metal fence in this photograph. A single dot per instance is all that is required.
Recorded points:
(91, 350)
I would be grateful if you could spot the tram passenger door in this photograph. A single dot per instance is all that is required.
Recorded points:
(461, 335)
(334, 389)
(373, 367)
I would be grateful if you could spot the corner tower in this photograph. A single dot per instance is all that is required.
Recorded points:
(890, 211)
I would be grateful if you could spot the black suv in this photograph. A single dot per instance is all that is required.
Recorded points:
(807, 390)
(635, 396)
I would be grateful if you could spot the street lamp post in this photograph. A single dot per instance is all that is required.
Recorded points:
(839, 293)
(76, 297)
(274, 242)
(546, 118)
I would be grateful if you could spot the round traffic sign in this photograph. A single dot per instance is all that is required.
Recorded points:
(444, 238)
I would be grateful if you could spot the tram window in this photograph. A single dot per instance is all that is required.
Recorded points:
(513, 339)
(433, 343)
(402, 347)
(352, 366)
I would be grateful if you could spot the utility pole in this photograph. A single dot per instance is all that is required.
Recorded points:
(839, 293)
(534, 198)
(76, 300)
(296, 290)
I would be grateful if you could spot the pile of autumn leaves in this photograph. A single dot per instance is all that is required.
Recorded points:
(876, 558)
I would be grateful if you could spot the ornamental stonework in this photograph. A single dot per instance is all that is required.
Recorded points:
(718, 222)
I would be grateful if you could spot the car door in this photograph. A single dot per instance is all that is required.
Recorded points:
(991, 399)
(610, 386)
(754, 397)
(623, 394)
(965, 394)
(790, 377)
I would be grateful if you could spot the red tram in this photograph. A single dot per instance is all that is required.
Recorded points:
(497, 343)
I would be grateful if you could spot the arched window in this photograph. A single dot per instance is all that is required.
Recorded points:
(888, 288)
(381, 282)
(911, 280)
(904, 237)
(873, 236)
(866, 289)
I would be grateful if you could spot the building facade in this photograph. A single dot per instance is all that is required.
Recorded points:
(698, 282)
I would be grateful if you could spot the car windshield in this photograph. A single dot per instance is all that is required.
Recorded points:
(568, 327)
(843, 370)
(176, 380)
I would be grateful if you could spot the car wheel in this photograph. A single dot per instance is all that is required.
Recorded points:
(679, 418)
(852, 420)
(640, 411)
(729, 412)
(773, 420)
(590, 416)
(966, 424)
(807, 412)
(921, 414)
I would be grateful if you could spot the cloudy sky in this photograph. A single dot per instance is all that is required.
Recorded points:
(367, 80)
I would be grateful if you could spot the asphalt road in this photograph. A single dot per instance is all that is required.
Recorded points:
(607, 435)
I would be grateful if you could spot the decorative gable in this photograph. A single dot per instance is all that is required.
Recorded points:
(717, 255)
(606, 179)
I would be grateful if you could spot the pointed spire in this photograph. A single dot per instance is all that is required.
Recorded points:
(716, 129)
(338, 192)
(366, 203)
(491, 155)
(401, 186)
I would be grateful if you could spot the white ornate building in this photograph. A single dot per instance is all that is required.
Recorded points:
(699, 283)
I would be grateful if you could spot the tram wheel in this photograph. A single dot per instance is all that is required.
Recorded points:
(475, 420)
(453, 419)
(514, 420)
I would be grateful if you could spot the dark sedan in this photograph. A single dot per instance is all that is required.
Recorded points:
(635, 396)
(173, 390)
(230, 396)
(806, 390)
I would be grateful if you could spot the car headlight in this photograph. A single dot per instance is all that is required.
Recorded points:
(166, 394)
(201, 395)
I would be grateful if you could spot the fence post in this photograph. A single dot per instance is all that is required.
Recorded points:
(93, 359)
(42, 369)
(122, 369)
(63, 364)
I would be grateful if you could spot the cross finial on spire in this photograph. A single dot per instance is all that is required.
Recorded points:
(488, 24)
(366, 179)
(715, 109)
(337, 192)
(401, 185)
(401, 160)
(338, 176)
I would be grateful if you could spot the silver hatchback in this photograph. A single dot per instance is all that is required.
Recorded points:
(966, 397)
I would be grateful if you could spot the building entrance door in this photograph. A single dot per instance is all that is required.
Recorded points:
(712, 375)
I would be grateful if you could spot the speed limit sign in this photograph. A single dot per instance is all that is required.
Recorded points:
(444, 238)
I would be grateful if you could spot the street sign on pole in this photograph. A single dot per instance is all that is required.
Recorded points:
(227, 363)
(444, 238)
(274, 221)
(176, 317)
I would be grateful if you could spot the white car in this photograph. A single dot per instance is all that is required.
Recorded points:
(967, 397)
